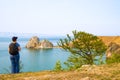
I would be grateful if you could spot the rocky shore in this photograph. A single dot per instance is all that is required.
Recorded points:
(112, 43)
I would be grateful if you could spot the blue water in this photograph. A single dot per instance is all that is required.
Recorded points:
(32, 60)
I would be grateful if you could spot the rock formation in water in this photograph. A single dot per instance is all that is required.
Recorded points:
(45, 44)
(35, 43)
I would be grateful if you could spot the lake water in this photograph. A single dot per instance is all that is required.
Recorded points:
(32, 60)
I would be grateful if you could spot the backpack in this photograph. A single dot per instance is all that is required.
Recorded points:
(13, 49)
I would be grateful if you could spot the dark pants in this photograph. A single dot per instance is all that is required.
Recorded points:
(15, 63)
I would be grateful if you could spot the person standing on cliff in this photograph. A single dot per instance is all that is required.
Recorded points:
(14, 49)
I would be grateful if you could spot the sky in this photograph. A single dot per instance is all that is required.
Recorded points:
(60, 17)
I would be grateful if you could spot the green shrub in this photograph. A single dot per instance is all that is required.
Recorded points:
(115, 58)
(58, 66)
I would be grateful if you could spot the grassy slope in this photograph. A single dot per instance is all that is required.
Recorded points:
(109, 39)
(102, 72)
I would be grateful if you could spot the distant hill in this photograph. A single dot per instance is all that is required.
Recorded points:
(113, 44)
(108, 39)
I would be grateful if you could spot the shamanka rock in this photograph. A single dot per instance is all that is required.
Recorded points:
(45, 44)
(35, 43)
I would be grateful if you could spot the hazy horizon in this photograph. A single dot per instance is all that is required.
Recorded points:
(29, 35)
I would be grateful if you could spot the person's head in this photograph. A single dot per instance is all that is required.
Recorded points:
(14, 38)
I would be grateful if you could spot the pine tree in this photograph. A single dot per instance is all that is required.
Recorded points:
(84, 45)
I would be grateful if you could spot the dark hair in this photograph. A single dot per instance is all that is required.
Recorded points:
(14, 38)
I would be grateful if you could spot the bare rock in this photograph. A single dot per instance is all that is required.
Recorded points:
(86, 78)
(35, 43)
(46, 44)
(113, 48)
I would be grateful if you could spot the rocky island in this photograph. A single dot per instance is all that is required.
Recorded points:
(36, 43)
